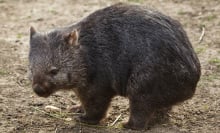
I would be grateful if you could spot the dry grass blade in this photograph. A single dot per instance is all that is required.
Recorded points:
(111, 126)
(115, 121)
(202, 34)
(49, 114)
(84, 124)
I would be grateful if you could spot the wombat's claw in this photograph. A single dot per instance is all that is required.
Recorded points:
(86, 120)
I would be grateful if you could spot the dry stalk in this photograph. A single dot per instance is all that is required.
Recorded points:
(202, 34)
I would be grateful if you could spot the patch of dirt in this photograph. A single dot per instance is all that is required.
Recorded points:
(22, 111)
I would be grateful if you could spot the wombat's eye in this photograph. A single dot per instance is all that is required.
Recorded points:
(53, 70)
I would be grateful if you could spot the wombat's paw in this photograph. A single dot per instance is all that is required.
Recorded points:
(87, 120)
(76, 109)
(132, 126)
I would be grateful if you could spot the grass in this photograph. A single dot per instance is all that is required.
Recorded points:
(3, 72)
(210, 77)
(53, 11)
(136, 1)
(215, 61)
(183, 12)
(62, 116)
(200, 50)
(210, 17)
(19, 35)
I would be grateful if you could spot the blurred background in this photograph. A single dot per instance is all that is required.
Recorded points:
(22, 111)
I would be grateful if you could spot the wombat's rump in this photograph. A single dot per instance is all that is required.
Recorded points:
(122, 50)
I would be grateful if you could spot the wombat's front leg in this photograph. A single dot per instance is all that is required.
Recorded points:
(95, 106)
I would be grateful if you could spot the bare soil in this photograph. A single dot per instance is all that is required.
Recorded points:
(22, 111)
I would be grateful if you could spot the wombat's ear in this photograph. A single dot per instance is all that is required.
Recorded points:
(72, 38)
(32, 31)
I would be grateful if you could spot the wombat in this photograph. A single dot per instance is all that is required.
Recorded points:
(124, 50)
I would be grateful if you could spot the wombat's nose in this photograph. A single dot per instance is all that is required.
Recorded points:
(39, 90)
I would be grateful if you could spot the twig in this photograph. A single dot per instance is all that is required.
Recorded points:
(71, 113)
(202, 34)
(114, 122)
(55, 130)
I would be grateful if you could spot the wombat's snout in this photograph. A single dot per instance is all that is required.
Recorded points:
(40, 91)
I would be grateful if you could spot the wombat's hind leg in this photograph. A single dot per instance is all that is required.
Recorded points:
(160, 116)
(140, 114)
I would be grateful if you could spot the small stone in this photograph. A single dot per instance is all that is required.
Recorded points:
(68, 119)
(50, 108)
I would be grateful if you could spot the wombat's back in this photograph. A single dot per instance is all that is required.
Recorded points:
(124, 38)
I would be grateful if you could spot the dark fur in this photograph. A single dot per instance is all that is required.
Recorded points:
(123, 50)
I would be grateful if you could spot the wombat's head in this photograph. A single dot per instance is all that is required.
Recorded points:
(51, 60)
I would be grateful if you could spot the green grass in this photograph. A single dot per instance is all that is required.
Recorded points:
(3, 72)
(200, 50)
(214, 75)
(182, 12)
(136, 1)
(214, 61)
(210, 17)
(210, 77)
(53, 11)
(19, 35)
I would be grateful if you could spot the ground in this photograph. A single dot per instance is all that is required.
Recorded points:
(22, 111)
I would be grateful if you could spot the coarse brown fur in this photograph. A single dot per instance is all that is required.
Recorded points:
(124, 50)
